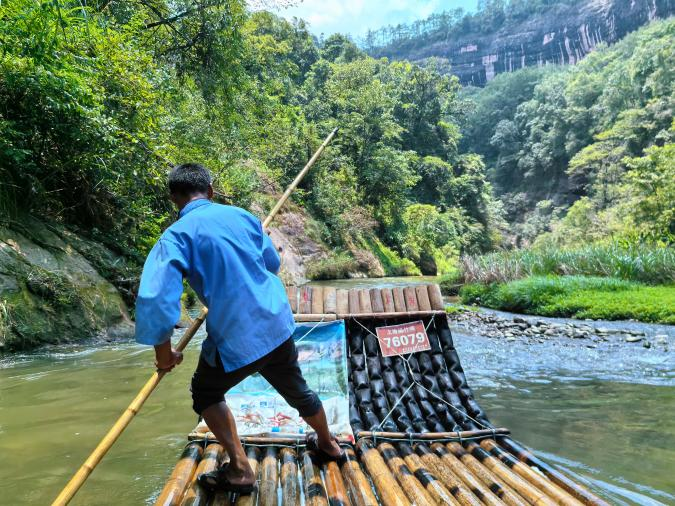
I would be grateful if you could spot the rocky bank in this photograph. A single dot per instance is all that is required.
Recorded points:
(56, 286)
(538, 330)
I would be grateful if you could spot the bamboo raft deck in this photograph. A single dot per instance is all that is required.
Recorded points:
(420, 436)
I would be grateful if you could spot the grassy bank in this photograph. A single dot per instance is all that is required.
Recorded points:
(634, 262)
(577, 297)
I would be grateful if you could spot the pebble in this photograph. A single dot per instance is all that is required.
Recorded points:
(661, 339)
(634, 339)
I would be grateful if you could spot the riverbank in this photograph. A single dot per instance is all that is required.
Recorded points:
(497, 325)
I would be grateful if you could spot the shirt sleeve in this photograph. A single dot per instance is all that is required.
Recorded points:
(270, 255)
(158, 302)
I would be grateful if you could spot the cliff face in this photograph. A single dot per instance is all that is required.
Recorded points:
(565, 34)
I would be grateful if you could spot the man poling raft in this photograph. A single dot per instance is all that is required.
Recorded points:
(230, 262)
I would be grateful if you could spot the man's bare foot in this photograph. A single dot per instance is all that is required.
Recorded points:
(240, 475)
(331, 448)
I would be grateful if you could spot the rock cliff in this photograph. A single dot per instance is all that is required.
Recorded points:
(564, 34)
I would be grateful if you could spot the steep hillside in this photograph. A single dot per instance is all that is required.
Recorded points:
(503, 38)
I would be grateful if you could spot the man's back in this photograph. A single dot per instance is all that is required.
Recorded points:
(231, 264)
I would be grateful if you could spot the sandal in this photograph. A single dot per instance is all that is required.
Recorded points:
(216, 481)
(313, 445)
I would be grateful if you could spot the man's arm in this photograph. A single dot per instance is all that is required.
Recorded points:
(158, 302)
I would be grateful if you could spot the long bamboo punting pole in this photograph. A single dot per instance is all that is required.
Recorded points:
(357, 481)
(539, 480)
(182, 474)
(573, 488)
(496, 485)
(99, 452)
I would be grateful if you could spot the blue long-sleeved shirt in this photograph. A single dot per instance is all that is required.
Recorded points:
(231, 264)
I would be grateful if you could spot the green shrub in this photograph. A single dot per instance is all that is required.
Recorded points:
(577, 297)
(391, 261)
(336, 266)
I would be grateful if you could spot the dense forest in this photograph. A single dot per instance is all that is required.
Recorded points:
(97, 102)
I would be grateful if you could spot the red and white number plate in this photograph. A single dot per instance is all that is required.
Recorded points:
(403, 339)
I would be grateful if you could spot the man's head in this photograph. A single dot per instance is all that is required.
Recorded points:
(189, 181)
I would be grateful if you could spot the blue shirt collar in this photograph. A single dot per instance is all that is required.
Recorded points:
(193, 205)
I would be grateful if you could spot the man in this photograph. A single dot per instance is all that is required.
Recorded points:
(231, 264)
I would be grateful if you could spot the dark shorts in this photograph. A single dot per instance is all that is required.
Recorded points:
(279, 367)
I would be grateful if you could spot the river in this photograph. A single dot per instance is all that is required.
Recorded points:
(604, 415)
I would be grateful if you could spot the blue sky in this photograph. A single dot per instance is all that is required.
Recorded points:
(355, 17)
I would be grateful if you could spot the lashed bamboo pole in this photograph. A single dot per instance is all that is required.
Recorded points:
(253, 454)
(269, 478)
(182, 474)
(415, 491)
(527, 490)
(496, 485)
(356, 480)
(387, 487)
(540, 481)
(451, 470)
(426, 436)
(290, 493)
(431, 482)
(315, 493)
(196, 495)
(106, 443)
(573, 488)
(335, 485)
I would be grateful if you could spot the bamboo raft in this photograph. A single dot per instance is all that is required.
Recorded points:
(420, 436)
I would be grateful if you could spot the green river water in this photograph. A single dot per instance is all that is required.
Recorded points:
(605, 416)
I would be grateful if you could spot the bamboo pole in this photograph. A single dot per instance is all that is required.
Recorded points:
(451, 470)
(182, 474)
(357, 481)
(573, 488)
(299, 178)
(109, 439)
(540, 481)
(269, 478)
(290, 493)
(387, 487)
(415, 491)
(431, 482)
(253, 454)
(315, 493)
(500, 489)
(430, 436)
(528, 491)
(335, 485)
(196, 495)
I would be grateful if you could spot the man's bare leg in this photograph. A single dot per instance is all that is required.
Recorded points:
(319, 423)
(221, 422)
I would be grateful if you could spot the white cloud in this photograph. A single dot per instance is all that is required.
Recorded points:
(355, 17)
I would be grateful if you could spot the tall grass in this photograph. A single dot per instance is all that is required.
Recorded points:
(636, 262)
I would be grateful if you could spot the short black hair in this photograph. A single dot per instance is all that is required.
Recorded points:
(188, 179)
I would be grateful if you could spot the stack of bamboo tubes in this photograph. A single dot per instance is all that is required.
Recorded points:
(314, 303)
(471, 473)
